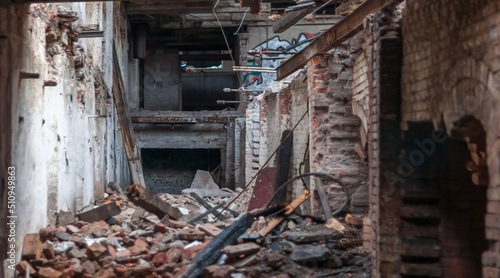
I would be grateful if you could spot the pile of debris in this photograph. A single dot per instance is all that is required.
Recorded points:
(147, 235)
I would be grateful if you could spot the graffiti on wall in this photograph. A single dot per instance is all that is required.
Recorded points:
(259, 80)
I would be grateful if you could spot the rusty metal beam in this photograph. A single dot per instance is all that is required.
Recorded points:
(344, 29)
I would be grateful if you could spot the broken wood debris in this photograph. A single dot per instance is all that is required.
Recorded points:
(146, 199)
(103, 212)
(288, 210)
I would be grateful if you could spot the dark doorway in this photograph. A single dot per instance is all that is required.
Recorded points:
(172, 170)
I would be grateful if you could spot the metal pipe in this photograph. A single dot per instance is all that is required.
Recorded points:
(230, 101)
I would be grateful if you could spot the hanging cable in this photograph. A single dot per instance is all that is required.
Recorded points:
(265, 163)
(242, 20)
(319, 174)
(225, 39)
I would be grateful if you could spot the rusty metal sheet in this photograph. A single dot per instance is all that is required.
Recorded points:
(263, 189)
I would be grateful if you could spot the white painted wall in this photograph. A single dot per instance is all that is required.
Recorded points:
(65, 149)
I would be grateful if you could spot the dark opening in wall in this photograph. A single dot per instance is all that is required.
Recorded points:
(444, 201)
(171, 170)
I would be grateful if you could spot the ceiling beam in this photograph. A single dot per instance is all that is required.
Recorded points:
(344, 29)
(291, 18)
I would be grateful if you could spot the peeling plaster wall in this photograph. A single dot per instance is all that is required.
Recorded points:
(66, 143)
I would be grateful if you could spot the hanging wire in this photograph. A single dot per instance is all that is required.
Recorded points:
(242, 20)
(265, 163)
(225, 39)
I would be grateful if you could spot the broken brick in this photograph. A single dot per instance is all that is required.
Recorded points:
(95, 251)
(72, 229)
(192, 235)
(191, 252)
(23, 266)
(218, 271)
(209, 229)
(48, 272)
(234, 251)
(179, 224)
(160, 228)
(48, 251)
(159, 259)
(174, 255)
(140, 247)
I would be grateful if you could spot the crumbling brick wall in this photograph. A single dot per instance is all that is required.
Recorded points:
(334, 129)
(377, 102)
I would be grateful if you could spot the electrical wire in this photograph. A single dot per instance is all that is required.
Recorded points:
(225, 39)
(241, 24)
(319, 174)
(265, 163)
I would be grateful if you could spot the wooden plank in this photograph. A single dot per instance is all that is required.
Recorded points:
(344, 29)
(291, 18)
(206, 213)
(284, 156)
(100, 213)
(125, 121)
(288, 210)
(323, 198)
(32, 247)
(151, 202)
(207, 206)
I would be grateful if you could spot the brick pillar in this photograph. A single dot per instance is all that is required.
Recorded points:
(384, 59)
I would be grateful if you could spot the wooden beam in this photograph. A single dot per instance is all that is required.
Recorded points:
(134, 160)
(185, 117)
(291, 18)
(344, 29)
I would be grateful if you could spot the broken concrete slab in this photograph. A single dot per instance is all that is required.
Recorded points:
(312, 236)
(203, 180)
(306, 253)
(65, 218)
(100, 213)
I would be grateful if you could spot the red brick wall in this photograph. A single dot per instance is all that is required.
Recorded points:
(334, 129)
(451, 69)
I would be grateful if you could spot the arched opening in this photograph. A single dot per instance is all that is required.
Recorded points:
(463, 200)
(444, 200)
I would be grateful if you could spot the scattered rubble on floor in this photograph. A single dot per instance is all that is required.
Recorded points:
(137, 243)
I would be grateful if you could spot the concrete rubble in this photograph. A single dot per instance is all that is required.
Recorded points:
(137, 243)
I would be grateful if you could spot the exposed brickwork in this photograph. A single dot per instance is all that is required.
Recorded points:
(334, 130)
(451, 70)
(382, 55)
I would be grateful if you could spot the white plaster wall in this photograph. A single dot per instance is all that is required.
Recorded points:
(28, 146)
(65, 149)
